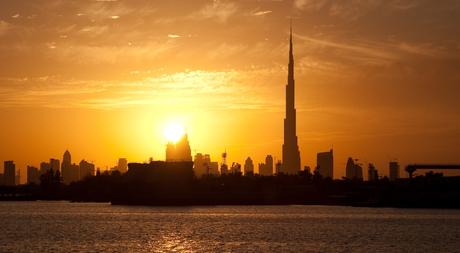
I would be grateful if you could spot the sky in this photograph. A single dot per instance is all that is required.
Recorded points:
(376, 80)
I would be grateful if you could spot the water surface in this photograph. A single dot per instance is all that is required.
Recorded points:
(90, 227)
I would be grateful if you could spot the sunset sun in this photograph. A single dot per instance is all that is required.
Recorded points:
(173, 131)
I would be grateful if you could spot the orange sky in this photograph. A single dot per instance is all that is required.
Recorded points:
(377, 80)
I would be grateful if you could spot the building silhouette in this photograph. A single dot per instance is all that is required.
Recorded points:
(70, 172)
(235, 169)
(18, 177)
(86, 169)
(33, 176)
(223, 165)
(394, 170)
(122, 165)
(44, 167)
(201, 164)
(291, 154)
(278, 167)
(372, 173)
(354, 171)
(55, 164)
(248, 166)
(325, 164)
(179, 151)
(9, 173)
(266, 169)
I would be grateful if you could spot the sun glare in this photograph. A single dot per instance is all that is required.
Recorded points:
(173, 132)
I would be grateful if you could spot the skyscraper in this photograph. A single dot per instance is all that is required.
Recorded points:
(372, 173)
(354, 171)
(86, 169)
(180, 151)
(248, 166)
(55, 165)
(9, 173)
(199, 167)
(123, 165)
(33, 177)
(394, 170)
(70, 173)
(325, 164)
(291, 154)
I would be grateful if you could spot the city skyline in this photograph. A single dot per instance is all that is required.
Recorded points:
(367, 88)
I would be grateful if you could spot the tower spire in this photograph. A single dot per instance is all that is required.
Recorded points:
(291, 155)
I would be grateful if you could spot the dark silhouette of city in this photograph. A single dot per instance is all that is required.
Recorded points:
(182, 180)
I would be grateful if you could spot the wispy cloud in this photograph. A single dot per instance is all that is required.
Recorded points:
(173, 36)
(313, 5)
(261, 13)
(4, 27)
(219, 9)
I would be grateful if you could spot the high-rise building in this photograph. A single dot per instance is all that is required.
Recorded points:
(33, 177)
(278, 167)
(44, 167)
(325, 164)
(55, 165)
(248, 166)
(291, 154)
(70, 172)
(9, 173)
(214, 168)
(86, 169)
(236, 168)
(123, 165)
(354, 171)
(18, 177)
(372, 173)
(180, 151)
(198, 165)
(223, 165)
(266, 169)
(394, 170)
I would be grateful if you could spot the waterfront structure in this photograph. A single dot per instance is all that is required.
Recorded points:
(33, 176)
(325, 164)
(9, 173)
(248, 166)
(179, 151)
(291, 154)
(394, 170)
(354, 171)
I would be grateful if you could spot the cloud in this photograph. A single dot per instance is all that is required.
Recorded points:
(220, 10)
(404, 4)
(4, 27)
(173, 36)
(261, 13)
(311, 5)
(366, 49)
